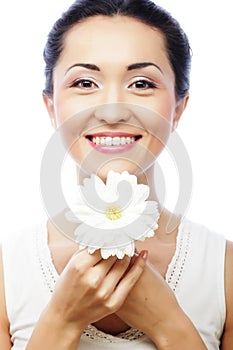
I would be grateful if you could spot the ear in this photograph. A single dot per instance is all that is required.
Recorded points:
(180, 107)
(50, 109)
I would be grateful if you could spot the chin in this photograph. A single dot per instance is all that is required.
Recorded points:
(119, 166)
(136, 163)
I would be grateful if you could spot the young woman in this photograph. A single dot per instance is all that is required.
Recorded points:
(107, 62)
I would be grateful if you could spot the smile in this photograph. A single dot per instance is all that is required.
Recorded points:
(112, 142)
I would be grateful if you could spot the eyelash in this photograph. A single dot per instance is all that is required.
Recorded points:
(77, 82)
(150, 85)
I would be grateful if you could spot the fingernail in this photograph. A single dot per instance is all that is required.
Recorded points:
(144, 254)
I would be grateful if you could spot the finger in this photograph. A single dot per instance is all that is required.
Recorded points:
(127, 283)
(97, 273)
(84, 260)
(137, 252)
(116, 273)
(105, 265)
(109, 282)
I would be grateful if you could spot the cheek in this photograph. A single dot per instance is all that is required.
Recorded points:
(164, 106)
(66, 106)
(78, 151)
(156, 147)
(71, 129)
(65, 111)
(69, 105)
(156, 122)
(163, 102)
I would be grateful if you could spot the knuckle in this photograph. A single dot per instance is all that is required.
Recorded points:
(77, 269)
(94, 282)
(123, 263)
(126, 260)
(133, 279)
(137, 273)
(103, 295)
(113, 305)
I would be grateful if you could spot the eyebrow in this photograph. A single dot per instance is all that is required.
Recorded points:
(143, 65)
(84, 65)
(133, 66)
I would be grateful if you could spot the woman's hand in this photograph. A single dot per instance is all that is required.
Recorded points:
(150, 299)
(91, 288)
(152, 308)
(88, 289)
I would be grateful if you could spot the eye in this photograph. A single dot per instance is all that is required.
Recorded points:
(143, 84)
(85, 84)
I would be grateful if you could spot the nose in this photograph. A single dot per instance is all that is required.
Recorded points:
(113, 113)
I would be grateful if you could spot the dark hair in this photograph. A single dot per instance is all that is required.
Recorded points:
(177, 44)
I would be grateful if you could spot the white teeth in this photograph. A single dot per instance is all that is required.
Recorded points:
(108, 141)
(116, 141)
(102, 141)
(112, 141)
(97, 140)
(123, 140)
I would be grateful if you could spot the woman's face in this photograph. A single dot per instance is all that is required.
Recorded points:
(114, 94)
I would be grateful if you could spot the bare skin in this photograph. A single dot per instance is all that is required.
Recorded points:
(120, 319)
(160, 252)
(91, 290)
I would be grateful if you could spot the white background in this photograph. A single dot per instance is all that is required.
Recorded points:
(206, 127)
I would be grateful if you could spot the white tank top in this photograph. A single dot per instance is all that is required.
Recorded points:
(195, 274)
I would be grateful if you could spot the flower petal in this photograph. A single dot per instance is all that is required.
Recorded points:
(140, 194)
(113, 235)
(120, 252)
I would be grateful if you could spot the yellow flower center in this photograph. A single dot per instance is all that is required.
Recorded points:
(114, 212)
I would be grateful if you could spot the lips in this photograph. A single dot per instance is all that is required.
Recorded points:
(112, 141)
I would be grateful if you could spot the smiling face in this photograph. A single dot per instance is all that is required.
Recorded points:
(115, 89)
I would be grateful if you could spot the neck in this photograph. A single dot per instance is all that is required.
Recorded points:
(148, 178)
(168, 221)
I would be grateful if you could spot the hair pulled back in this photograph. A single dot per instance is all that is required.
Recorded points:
(176, 41)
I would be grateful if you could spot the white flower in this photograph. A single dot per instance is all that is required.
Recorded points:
(112, 216)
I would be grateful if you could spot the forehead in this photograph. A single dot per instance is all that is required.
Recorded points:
(117, 37)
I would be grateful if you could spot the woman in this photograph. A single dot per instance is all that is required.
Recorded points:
(103, 59)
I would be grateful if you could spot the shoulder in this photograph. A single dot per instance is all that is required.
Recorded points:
(229, 280)
(5, 342)
(24, 239)
(229, 259)
(20, 257)
(227, 339)
(204, 239)
(206, 250)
